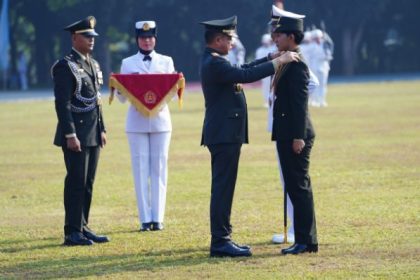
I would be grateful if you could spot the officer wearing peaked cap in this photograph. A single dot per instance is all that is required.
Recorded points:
(225, 126)
(293, 132)
(85, 27)
(276, 14)
(80, 129)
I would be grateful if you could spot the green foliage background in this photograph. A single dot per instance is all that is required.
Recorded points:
(359, 29)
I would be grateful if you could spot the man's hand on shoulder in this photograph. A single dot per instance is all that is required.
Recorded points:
(285, 58)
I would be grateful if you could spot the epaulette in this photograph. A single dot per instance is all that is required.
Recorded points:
(69, 57)
(215, 54)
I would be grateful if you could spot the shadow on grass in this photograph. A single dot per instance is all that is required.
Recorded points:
(20, 245)
(85, 266)
(110, 264)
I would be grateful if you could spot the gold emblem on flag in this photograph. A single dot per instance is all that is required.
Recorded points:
(150, 97)
(146, 27)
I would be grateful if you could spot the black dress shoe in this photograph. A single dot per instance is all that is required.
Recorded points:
(300, 248)
(157, 226)
(228, 249)
(77, 239)
(146, 227)
(94, 237)
(246, 247)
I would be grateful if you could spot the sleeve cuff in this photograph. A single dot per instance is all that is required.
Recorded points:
(71, 135)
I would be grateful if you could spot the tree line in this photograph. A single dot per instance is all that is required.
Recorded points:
(370, 36)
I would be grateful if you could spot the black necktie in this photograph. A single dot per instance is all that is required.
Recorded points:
(147, 58)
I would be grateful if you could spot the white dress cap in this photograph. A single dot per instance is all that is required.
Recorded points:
(145, 25)
(282, 13)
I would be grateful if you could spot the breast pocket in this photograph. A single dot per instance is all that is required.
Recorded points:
(236, 123)
(87, 83)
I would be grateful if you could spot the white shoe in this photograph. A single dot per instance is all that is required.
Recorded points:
(279, 238)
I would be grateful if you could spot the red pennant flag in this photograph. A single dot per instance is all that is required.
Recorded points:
(148, 92)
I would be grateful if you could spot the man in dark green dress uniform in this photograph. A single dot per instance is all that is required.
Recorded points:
(225, 126)
(80, 129)
(294, 134)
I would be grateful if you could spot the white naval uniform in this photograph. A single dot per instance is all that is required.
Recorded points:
(321, 68)
(149, 139)
(313, 84)
(261, 52)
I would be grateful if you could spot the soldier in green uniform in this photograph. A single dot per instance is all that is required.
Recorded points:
(80, 129)
(225, 126)
(294, 134)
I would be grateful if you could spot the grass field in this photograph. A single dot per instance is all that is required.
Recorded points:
(365, 171)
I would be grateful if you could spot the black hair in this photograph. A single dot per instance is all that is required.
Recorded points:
(297, 34)
(210, 35)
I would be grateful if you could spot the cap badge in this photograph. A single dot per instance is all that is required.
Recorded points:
(92, 23)
(146, 27)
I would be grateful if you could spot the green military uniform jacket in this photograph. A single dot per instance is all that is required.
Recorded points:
(226, 117)
(77, 100)
(290, 112)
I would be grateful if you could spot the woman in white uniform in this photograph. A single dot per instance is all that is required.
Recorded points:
(148, 137)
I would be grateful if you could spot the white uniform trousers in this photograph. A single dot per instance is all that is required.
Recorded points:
(149, 161)
(320, 93)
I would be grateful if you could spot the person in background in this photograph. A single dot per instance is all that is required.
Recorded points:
(148, 137)
(236, 54)
(320, 56)
(22, 67)
(266, 47)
